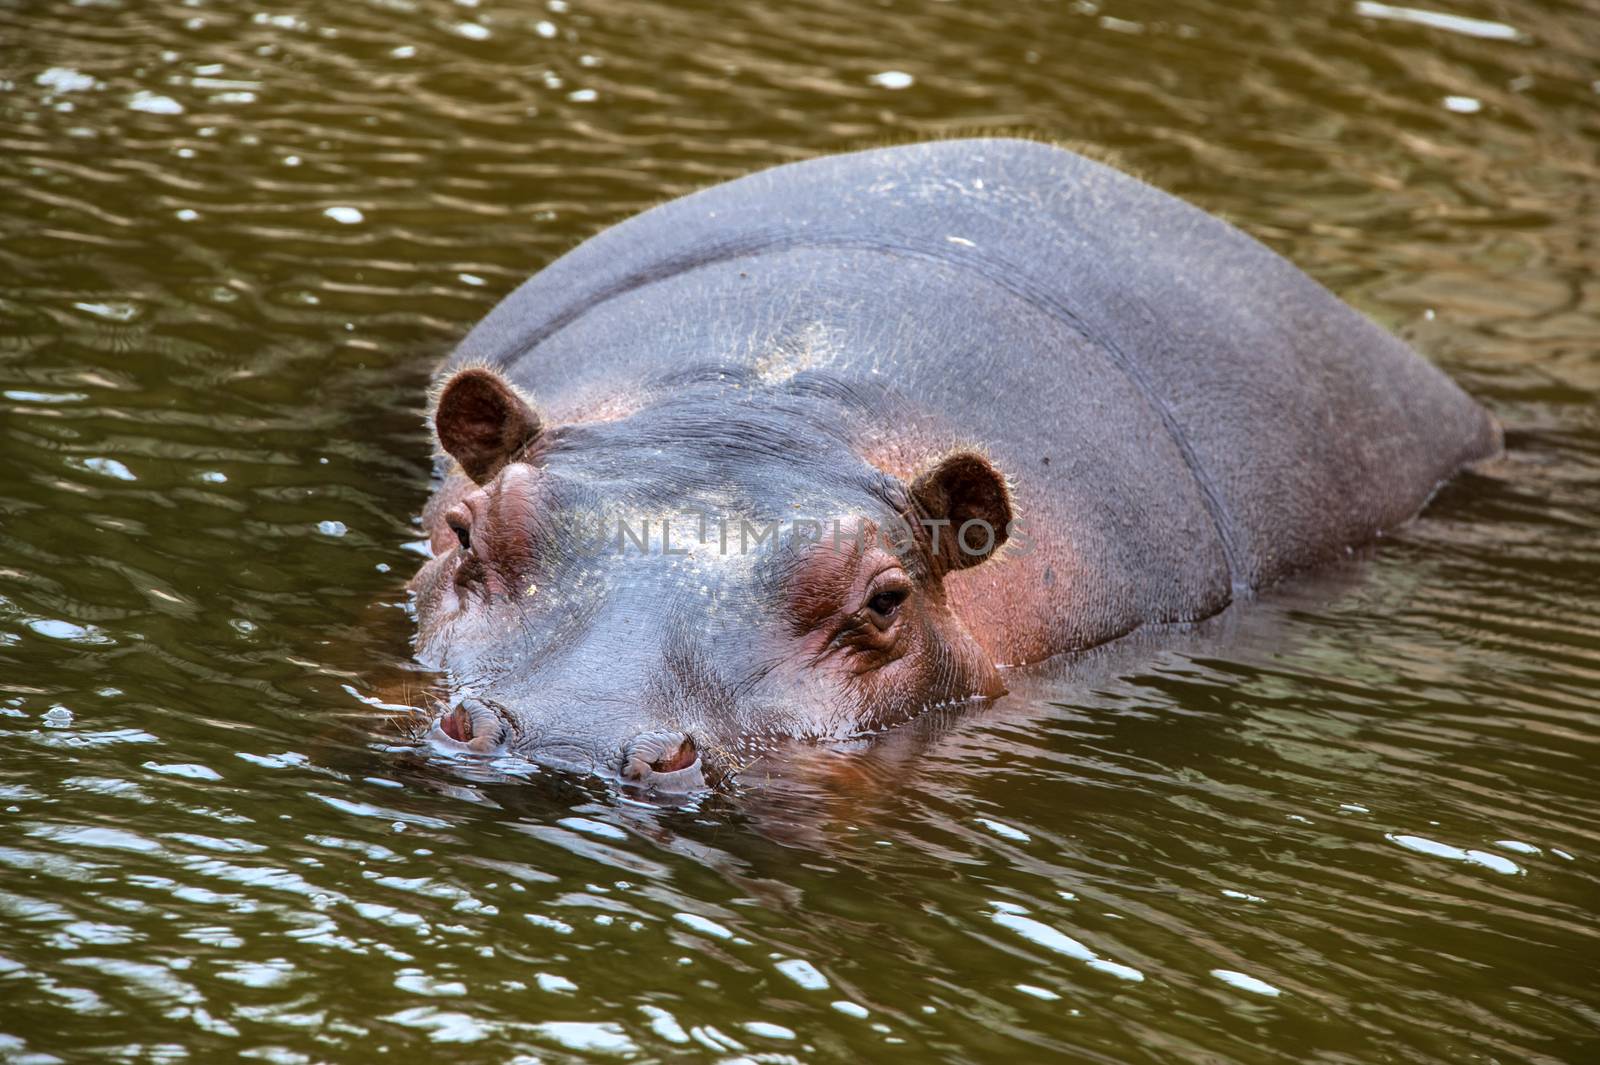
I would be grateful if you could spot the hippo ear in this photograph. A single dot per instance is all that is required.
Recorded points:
(483, 421)
(964, 490)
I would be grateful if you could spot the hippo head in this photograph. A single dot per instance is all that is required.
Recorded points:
(652, 596)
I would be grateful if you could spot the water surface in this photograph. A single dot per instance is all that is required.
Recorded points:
(1357, 821)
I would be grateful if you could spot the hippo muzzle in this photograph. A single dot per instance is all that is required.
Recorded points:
(658, 761)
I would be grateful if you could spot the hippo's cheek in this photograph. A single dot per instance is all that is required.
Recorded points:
(929, 674)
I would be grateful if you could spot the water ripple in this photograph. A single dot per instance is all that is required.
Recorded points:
(1354, 821)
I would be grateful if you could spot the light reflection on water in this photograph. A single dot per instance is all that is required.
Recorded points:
(1355, 821)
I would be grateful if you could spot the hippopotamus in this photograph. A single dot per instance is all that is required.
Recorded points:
(807, 453)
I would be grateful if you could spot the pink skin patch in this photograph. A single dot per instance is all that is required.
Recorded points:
(610, 407)
(457, 724)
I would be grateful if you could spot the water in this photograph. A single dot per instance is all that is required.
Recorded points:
(1357, 821)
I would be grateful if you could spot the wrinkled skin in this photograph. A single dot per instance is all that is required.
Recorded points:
(1151, 413)
(662, 667)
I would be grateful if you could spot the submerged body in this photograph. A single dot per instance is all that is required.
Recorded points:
(1147, 410)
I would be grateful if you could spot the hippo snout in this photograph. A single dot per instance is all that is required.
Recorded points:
(663, 761)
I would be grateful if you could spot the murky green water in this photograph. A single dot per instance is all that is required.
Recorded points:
(1358, 821)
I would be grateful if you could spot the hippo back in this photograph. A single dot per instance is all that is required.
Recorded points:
(1216, 418)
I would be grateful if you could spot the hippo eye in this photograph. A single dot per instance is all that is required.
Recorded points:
(886, 603)
(463, 534)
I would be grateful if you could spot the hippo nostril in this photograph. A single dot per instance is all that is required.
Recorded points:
(474, 724)
(665, 760)
(457, 724)
(682, 758)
